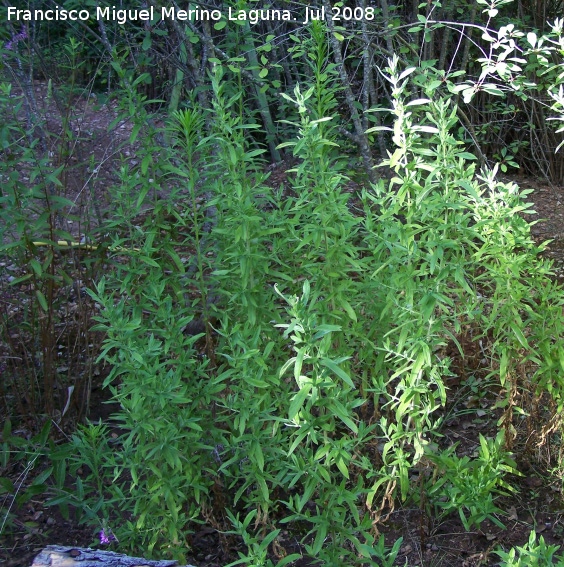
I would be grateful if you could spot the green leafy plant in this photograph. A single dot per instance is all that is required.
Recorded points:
(241, 232)
(257, 556)
(469, 485)
(89, 459)
(459, 237)
(325, 437)
(162, 385)
(321, 385)
(535, 553)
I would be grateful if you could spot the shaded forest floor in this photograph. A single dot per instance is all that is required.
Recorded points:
(537, 503)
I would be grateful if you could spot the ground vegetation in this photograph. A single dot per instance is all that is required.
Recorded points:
(267, 289)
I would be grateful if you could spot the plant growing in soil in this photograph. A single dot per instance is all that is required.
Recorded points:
(325, 385)
(280, 358)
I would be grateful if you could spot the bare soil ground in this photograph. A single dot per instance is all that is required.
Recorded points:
(536, 504)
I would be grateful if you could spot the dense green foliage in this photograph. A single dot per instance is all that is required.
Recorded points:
(280, 355)
(457, 41)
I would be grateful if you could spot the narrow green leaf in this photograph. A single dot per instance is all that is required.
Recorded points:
(328, 363)
(299, 400)
(347, 307)
(36, 267)
(503, 367)
(149, 261)
(42, 300)
(519, 334)
(340, 411)
(258, 455)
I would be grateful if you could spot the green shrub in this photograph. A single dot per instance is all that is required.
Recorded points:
(322, 386)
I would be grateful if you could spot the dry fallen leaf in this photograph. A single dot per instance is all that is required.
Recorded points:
(512, 513)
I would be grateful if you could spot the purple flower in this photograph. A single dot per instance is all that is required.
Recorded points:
(16, 39)
(106, 538)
